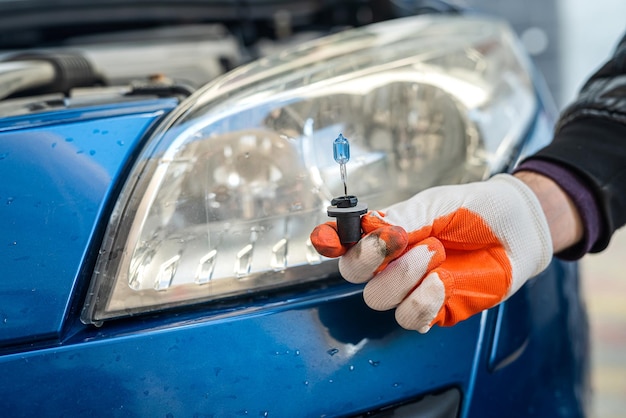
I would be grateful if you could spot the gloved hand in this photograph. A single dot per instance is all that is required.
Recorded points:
(447, 253)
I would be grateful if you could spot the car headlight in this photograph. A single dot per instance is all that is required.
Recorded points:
(224, 196)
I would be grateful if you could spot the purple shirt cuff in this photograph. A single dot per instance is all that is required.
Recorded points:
(582, 198)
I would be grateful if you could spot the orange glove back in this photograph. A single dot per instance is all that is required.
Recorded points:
(447, 253)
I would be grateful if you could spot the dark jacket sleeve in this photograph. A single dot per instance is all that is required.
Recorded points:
(590, 140)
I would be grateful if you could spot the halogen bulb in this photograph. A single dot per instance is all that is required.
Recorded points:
(346, 209)
(341, 153)
(341, 149)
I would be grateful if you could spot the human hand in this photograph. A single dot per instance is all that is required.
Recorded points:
(447, 253)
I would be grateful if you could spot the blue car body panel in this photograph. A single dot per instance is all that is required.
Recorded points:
(280, 362)
(58, 169)
(312, 352)
(535, 359)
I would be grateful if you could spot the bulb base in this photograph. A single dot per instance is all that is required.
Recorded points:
(348, 211)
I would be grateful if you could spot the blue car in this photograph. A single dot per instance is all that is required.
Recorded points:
(163, 165)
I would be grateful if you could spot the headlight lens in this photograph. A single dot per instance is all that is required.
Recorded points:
(223, 199)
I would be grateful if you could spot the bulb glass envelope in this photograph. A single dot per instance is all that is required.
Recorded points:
(222, 200)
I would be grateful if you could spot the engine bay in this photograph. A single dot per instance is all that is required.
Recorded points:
(144, 52)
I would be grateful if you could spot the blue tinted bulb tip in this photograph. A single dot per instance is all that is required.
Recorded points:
(341, 150)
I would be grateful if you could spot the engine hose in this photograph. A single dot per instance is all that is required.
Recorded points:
(42, 73)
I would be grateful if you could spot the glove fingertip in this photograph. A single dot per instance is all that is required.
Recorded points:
(360, 263)
(424, 329)
(396, 241)
(325, 240)
(424, 306)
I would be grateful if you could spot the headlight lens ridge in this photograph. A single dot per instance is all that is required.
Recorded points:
(227, 190)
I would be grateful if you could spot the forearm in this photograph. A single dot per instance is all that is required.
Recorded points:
(594, 151)
(565, 223)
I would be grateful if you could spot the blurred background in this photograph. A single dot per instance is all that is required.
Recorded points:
(569, 39)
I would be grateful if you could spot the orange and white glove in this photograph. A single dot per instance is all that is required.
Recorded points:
(447, 253)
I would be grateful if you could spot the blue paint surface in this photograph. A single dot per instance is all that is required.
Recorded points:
(57, 170)
(292, 362)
